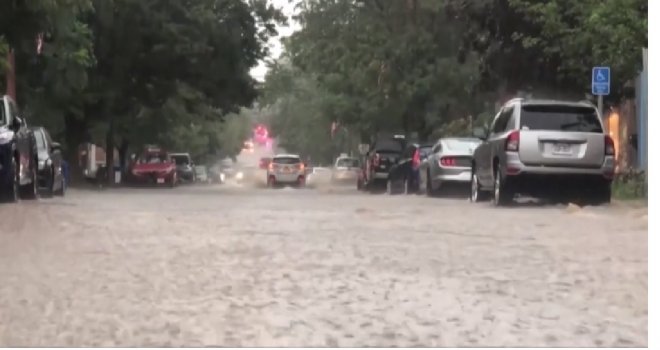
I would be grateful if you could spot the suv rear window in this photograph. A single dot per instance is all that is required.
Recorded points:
(286, 160)
(560, 118)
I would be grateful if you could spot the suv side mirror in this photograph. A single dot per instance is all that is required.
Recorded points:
(479, 133)
(56, 146)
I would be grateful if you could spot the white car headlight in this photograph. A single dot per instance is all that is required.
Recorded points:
(6, 136)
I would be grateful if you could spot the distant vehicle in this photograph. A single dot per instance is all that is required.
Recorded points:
(154, 166)
(261, 135)
(216, 175)
(248, 146)
(449, 163)
(382, 155)
(50, 163)
(404, 176)
(201, 174)
(346, 169)
(18, 154)
(286, 169)
(184, 166)
(264, 162)
(553, 149)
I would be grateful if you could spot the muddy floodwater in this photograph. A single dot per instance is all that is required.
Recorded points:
(241, 265)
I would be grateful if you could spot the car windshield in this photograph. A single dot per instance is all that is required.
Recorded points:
(460, 145)
(348, 162)
(286, 160)
(153, 158)
(560, 118)
(424, 151)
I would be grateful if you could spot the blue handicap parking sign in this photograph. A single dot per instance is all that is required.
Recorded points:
(600, 81)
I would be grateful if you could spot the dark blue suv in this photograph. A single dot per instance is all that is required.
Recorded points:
(18, 157)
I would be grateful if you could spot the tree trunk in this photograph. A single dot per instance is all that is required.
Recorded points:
(75, 135)
(110, 152)
(123, 155)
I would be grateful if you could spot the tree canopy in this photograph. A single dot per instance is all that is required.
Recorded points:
(134, 72)
(429, 68)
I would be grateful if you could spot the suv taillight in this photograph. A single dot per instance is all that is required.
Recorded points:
(609, 146)
(513, 141)
(376, 159)
(301, 166)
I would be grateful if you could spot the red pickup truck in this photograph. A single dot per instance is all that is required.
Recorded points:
(154, 166)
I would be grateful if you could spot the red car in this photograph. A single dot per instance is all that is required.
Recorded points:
(154, 166)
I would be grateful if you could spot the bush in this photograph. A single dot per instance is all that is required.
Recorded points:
(630, 184)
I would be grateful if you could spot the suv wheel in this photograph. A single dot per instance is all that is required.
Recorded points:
(601, 195)
(476, 193)
(390, 187)
(31, 190)
(13, 187)
(503, 194)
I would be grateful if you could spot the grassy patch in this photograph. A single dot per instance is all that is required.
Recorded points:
(630, 184)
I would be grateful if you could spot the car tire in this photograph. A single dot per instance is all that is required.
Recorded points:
(13, 187)
(429, 190)
(390, 187)
(50, 186)
(600, 195)
(476, 193)
(31, 190)
(62, 191)
(502, 194)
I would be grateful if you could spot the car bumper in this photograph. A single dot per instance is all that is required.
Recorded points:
(462, 175)
(515, 167)
(287, 178)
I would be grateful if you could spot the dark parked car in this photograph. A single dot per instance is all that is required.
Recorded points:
(185, 168)
(50, 169)
(18, 169)
(404, 175)
(382, 155)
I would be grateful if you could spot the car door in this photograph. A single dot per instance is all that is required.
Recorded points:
(56, 157)
(24, 144)
(433, 159)
(495, 145)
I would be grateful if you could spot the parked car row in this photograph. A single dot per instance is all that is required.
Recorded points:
(31, 163)
(546, 149)
(158, 167)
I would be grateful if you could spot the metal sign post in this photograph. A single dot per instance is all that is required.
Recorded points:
(600, 85)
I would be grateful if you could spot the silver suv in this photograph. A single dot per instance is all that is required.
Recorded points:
(286, 169)
(552, 149)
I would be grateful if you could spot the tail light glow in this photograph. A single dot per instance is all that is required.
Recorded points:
(376, 159)
(610, 150)
(448, 161)
(513, 141)
(301, 166)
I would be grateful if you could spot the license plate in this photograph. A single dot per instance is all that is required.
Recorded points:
(561, 148)
(160, 181)
(287, 169)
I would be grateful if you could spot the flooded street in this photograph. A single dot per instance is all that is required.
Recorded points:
(232, 265)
